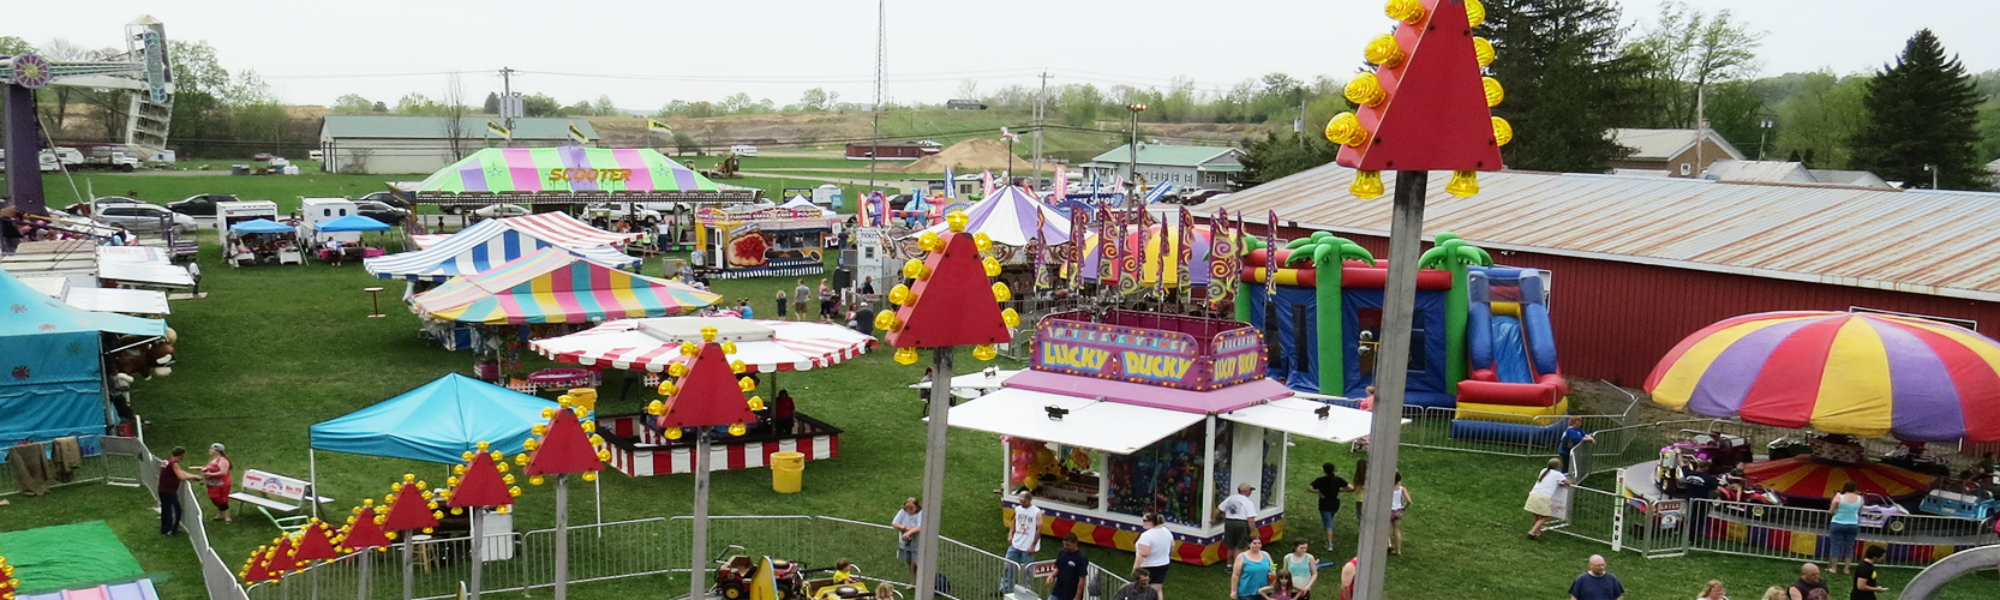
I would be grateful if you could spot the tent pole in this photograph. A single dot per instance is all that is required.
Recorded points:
(409, 570)
(312, 473)
(562, 536)
(361, 585)
(934, 455)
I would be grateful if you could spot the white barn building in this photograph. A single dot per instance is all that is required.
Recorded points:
(395, 144)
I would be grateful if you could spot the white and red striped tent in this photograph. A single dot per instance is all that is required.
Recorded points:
(652, 344)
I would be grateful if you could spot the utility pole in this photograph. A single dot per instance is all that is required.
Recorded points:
(507, 101)
(1700, 127)
(881, 59)
(1132, 167)
(1041, 112)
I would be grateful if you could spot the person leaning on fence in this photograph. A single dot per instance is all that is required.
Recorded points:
(169, 489)
(215, 475)
(1572, 437)
(1542, 497)
(1845, 528)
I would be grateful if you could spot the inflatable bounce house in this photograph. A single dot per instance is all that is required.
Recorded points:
(1481, 343)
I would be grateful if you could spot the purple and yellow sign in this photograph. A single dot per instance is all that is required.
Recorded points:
(1178, 352)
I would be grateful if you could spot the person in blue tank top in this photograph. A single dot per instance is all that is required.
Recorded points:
(1252, 571)
(1846, 509)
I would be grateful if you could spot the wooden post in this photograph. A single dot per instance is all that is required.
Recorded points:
(1392, 371)
(934, 455)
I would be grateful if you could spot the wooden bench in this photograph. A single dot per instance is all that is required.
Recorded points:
(280, 498)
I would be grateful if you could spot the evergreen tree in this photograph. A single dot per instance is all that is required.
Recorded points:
(1924, 110)
(492, 105)
(1567, 82)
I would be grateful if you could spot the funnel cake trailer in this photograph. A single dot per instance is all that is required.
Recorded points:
(1134, 412)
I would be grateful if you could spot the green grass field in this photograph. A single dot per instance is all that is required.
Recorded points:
(273, 350)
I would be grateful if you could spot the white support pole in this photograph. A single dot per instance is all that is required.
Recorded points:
(699, 572)
(1406, 228)
(312, 473)
(409, 569)
(1208, 473)
(562, 537)
(361, 585)
(478, 532)
(934, 455)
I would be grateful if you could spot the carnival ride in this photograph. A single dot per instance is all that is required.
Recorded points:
(143, 69)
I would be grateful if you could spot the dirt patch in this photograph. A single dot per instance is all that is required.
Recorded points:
(965, 157)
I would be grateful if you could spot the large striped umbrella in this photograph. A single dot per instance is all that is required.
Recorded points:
(553, 286)
(1860, 374)
(1803, 477)
(565, 169)
(653, 344)
(1008, 216)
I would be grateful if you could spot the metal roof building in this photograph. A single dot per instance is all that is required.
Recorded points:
(1183, 166)
(420, 145)
(1640, 262)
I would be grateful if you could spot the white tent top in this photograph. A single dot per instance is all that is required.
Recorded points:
(976, 380)
(1091, 423)
(1008, 216)
(136, 302)
(652, 344)
(1299, 416)
(145, 273)
(803, 202)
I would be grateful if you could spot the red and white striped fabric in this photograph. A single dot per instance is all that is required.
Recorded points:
(723, 455)
(794, 346)
(561, 226)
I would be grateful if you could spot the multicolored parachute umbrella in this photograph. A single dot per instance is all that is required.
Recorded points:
(1862, 374)
(1803, 477)
(553, 286)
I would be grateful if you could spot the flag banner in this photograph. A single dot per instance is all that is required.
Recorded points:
(576, 133)
(1146, 231)
(1271, 256)
(655, 126)
(985, 184)
(496, 129)
(1128, 267)
(1060, 189)
(1222, 271)
(1079, 220)
(1185, 257)
(950, 183)
(1107, 251)
(1037, 250)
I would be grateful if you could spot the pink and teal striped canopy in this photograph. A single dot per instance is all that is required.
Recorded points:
(582, 170)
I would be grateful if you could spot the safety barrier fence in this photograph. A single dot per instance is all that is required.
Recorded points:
(127, 462)
(656, 548)
(1523, 436)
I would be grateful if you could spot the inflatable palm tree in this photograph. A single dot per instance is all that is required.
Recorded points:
(1328, 254)
(1452, 254)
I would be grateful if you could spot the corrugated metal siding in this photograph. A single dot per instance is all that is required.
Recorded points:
(1941, 243)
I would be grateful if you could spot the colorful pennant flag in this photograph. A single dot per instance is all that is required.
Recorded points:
(1221, 256)
(576, 133)
(1060, 189)
(1184, 256)
(1128, 268)
(1107, 250)
(1037, 247)
(985, 183)
(1079, 219)
(655, 126)
(496, 129)
(1271, 256)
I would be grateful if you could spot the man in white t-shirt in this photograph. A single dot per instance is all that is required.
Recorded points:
(1154, 551)
(1239, 521)
(1025, 539)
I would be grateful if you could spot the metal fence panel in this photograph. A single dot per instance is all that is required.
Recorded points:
(1741, 529)
(1588, 514)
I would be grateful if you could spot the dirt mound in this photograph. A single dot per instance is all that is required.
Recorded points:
(966, 157)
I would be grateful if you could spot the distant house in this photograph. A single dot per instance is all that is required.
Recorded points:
(1672, 151)
(1212, 167)
(404, 144)
(1768, 171)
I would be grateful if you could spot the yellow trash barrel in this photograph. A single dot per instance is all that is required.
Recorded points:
(787, 469)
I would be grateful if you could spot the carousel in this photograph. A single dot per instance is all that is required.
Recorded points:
(1882, 401)
(648, 347)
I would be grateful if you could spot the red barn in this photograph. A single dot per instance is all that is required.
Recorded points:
(890, 150)
(1638, 263)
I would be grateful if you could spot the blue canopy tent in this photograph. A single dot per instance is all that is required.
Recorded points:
(261, 226)
(51, 365)
(354, 223)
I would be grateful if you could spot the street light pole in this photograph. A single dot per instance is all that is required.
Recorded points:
(1132, 164)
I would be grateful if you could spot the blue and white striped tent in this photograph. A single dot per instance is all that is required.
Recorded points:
(495, 242)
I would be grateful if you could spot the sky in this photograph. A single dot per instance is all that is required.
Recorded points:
(644, 54)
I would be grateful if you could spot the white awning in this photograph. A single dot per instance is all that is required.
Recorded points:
(138, 302)
(976, 380)
(1108, 426)
(1298, 416)
(145, 274)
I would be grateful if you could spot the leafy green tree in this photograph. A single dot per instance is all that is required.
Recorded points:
(11, 45)
(1690, 51)
(1923, 114)
(1275, 157)
(541, 105)
(604, 107)
(1737, 111)
(1820, 115)
(684, 144)
(1567, 82)
(492, 105)
(417, 104)
(352, 104)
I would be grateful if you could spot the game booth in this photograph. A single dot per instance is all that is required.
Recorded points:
(55, 359)
(262, 241)
(1858, 383)
(1134, 412)
(648, 347)
(349, 236)
(763, 241)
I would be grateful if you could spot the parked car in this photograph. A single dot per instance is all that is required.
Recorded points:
(142, 217)
(618, 210)
(200, 205)
(81, 208)
(499, 210)
(386, 198)
(381, 212)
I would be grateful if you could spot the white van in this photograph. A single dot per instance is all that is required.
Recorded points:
(743, 150)
(314, 211)
(231, 213)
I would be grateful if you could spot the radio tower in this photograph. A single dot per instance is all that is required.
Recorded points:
(881, 59)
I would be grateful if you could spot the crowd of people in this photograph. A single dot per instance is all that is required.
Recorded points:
(1598, 583)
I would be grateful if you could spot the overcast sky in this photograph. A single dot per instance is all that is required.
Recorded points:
(644, 54)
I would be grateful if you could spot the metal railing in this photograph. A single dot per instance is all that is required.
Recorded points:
(95, 467)
(1746, 529)
(1516, 435)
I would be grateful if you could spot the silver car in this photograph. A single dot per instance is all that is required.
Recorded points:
(142, 217)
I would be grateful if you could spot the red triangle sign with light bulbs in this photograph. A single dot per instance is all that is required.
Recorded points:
(316, 543)
(1435, 117)
(564, 449)
(410, 511)
(259, 568)
(281, 558)
(363, 533)
(482, 484)
(709, 395)
(955, 305)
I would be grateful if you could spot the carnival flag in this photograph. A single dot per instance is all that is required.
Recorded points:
(950, 184)
(1164, 257)
(1107, 250)
(1059, 191)
(576, 133)
(1129, 258)
(496, 129)
(985, 183)
(1118, 187)
(1037, 249)
(1221, 254)
(1079, 221)
(1184, 256)
(655, 126)
(1271, 256)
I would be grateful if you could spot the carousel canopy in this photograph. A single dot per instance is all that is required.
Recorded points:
(554, 286)
(1860, 374)
(563, 170)
(261, 226)
(495, 241)
(1804, 477)
(354, 223)
(437, 422)
(763, 346)
(1008, 216)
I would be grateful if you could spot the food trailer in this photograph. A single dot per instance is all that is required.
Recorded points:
(760, 241)
(1124, 413)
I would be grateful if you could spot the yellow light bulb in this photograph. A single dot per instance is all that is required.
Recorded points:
(467, 455)
(540, 429)
(547, 413)
(737, 367)
(708, 334)
(915, 269)
(653, 408)
(729, 347)
(1366, 90)
(887, 321)
(930, 242)
(528, 444)
(906, 356)
(992, 266)
(522, 459)
(589, 476)
(496, 456)
(1475, 13)
(982, 242)
(1001, 293)
(509, 479)
(1502, 131)
(1464, 184)
(514, 492)
(1367, 184)
(501, 467)
(667, 388)
(588, 425)
(901, 296)
(565, 400)
(677, 369)
(1407, 11)
(689, 349)
(1010, 317)
(536, 480)
(1482, 50)
(673, 434)
(1494, 93)
(756, 403)
(603, 456)
(1384, 51)
(958, 220)
(984, 352)
(1345, 129)
(746, 384)
(738, 429)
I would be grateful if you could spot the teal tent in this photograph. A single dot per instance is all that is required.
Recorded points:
(354, 223)
(51, 370)
(437, 422)
(262, 226)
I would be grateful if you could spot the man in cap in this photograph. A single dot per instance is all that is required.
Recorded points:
(1239, 520)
